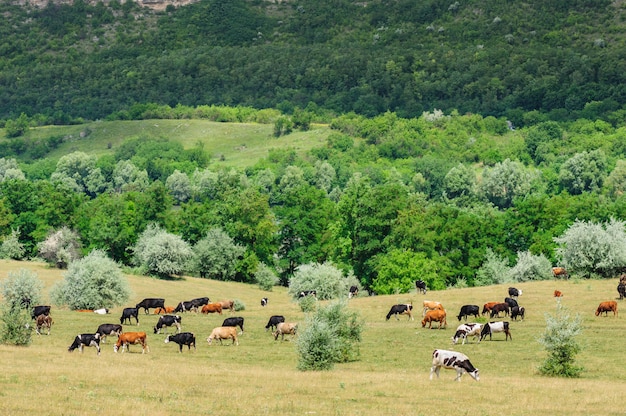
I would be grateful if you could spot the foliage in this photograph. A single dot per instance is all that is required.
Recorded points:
(559, 341)
(504, 182)
(93, 282)
(494, 270)
(216, 255)
(583, 172)
(531, 267)
(61, 247)
(128, 177)
(79, 173)
(16, 325)
(22, 284)
(398, 270)
(266, 278)
(12, 247)
(9, 169)
(179, 186)
(325, 278)
(307, 303)
(161, 253)
(17, 127)
(238, 305)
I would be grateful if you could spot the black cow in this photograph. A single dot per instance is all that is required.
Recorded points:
(183, 338)
(85, 340)
(128, 313)
(513, 292)
(499, 307)
(198, 302)
(420, 286)
(401, 309)
(354, 291)
(167, 320)
(106, 330)
(185, 306)
(234, 321)
(517, 311)
(274, 321)
(148, 303)
(621, 289)
(467, 310)
(264, 301)
(511, 302)
(40, 310)
(307, 293)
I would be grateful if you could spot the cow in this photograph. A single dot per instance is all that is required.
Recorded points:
(223, 332)
(606, 307)
(621, 289)
(264, 302)
(165, 310)
(420, 286)
(517, 311)
(105, 330)
(467, 310)
(40, 310)
(436, 315)
(514, 293)
(185, 306)
(182, 338)
(499, 307)
(167, 320)
(354, 291)
(273, 322)
(431, 305)
(129, 313)
(212, 308)
(148, 303)
(283, 328)
(227, 304)
(101, 311)
(307, 293)
(558, 272)
(401, 309)
(494, 327)
(43, 321)
(487, 307)
(198, 302)
(511, 302)
(558, 294)
(234, 321)
(85, 340)
(126, 339)
(455, 361)
(467, 330)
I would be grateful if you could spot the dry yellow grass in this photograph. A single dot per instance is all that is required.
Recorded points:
(260, 377)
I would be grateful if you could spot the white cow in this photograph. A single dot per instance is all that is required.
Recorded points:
(494, 327)
(467, 330)
(455, 361)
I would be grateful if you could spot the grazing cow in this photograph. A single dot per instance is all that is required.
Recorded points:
(185, 306)
(467, 310)
(517, 311)
(264, 302)
(273, 322)
(85, 340)
(40, 310)
(25, 302)
(101, 311)
(511, 302)
(183, 338)
(606, 307)
(494, 327)
(436, 315)
(128, 313)
(621, 289)
(167, 320)
(106, 330)
(513, 292)
(488, 306)
(227, 304)
(223, 332)
(167, 309)
(234, 321)
(401, 309)
(499, 307)
(467, 330)
(558, 272)
(43, 321)
(212, 308)
(307, 293)
(354, 291)
(455, 361)
(126, 339)
(198, 302)
(430, 305)
(148, 303)
(420, 286)
(558, 294)
(283, 328)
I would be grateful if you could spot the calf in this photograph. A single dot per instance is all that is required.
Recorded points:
(183, 338)
(129, 313)
(499, 307)
(420, 286)
(354, 291)
(212, 308)
(43, 321)
(274, 321)
(517, 311)
(606, 307)
(126, 339)
(85, 340)
(558, 294)
(167, 309)
(263, 302)
(487, 307)
(467, 330)
(621, 289)
(511, 302)
(106, 330)
(40, 310)
(401, 309)
(467, 310)
(234, 321)
(223, 332)
(285, 328)
(436, 315)
(430, 305)
(167, 320)
(185, 306)
(513, 292)
(307, 293)
(148, 303)
(101, 311)
(559, 272)
(455, 361)
(494, 327)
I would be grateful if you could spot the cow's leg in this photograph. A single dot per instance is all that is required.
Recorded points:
(434, 370)
(459, 373)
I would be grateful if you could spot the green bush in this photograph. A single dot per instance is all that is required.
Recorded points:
(238, 305)
(161, 253)
(560, 343)
(266, 278)
(307, 303)
(22, 284)
(16, 325)
(326, 279)
(12, 247)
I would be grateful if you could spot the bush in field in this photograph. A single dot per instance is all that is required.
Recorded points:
(20, 285)
(238, 305)
(92, 282)
(160, 253)
(60, 248)
(11, 247)
(324, 278)
(307, 303)
(531, 267)
(266, 278)
(494, 270)
(216, 255)
(398, 270)
(559, 341)
(15, 325)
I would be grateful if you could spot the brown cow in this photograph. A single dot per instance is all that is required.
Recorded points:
(227, 304)
(487, 307)
(43, 321)
(500, 307)
(606, 307)
(167, 309)
(558, 294)
(435, 315)
(430, 305)
(126, 339)
(559, 272)
(212, 308)
(223, 332)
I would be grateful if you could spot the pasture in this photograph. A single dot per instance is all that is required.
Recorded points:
(260, 377)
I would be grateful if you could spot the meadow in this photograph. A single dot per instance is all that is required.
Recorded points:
(260, 377)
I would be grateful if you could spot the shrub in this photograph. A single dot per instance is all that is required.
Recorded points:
(60, 248)
(11, 247)
(324, 278)
(20, 285)
(307, 303)
(494, 270)
(238, 305)
(216, 255)
(266, 278)
(560, 343)
(16, 325)
(161, 253)
(531, 267)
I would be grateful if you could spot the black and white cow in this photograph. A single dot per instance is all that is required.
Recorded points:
(494, 327)
(354, 291)
(511, 302)
(106, 330)
(148, 303)
(85, 340)
(420, 286)
(199, 302)
(307, 293)
(467, 330)
(517, 311)
(128, 313)
(467, 310)
(455, 361)
(40, 310)
(234, 321)
(264, 301)
(183, 338)
(185, 306)
(401, 309)
(167, 320)
(274, 321)
(513, 292)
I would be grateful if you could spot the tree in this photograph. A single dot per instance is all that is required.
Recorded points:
(93, 282)
(531, 267)
(494, 270)
(20, 286)
(325, 278)
(459, 182)
(17, 127)
(79, 173)
(559, 341)
(9, 169)
(398, 270)
(504, 182)
(583, 172)
(179, 186)
(61, 247)
(128, 177)
(216, 255)
(15, 328)
(12, 247)
(266, 278)
(161, 253)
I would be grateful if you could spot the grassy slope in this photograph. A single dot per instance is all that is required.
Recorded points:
(260, 376)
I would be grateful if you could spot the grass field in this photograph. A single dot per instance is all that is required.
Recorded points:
(260, 377)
